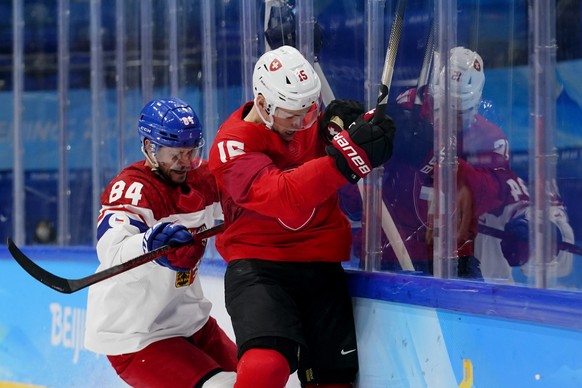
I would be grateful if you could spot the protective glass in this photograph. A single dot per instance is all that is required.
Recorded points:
(466, 116)
(297, 120)
(180, 158)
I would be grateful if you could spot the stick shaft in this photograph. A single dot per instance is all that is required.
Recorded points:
(389, 61)
(68, 286)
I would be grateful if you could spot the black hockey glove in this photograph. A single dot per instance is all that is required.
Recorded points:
(362, 147)
(515, 243)
(347, 111)
(414, 139)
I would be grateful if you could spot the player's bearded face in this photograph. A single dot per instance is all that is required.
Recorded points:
(174, 163)
(287, 122)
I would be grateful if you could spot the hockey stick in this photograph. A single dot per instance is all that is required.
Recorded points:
(388, 225)
(424, 71)
(326, 92)
(389, 61)
(393, 235)
(500, 234)
(268, 6)
(68, 286)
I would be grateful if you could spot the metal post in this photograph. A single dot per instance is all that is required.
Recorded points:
(64, 192)
(372, 187)
(543, 157)
(250, 45)
(19, 189)
(211, 122)
(96, 106)
(445, 150)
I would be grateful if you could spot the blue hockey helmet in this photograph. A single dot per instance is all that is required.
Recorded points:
(170, 123)
(174, 133)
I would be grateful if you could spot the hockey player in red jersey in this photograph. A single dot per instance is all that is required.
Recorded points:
(285, 288)
(153, 322)
(490, 193)
(483, 156)
(497, 195)
(408, 178)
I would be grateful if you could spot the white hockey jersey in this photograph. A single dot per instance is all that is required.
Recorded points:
(128, 312)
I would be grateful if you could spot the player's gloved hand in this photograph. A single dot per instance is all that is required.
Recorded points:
(181, 260)
(346, 110)
(469, 267)
(515, 243)
(415, 136)
(362, 147)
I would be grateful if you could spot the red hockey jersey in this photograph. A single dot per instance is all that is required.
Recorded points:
(279, 198)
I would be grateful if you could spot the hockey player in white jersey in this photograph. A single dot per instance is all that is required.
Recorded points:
(153, 322)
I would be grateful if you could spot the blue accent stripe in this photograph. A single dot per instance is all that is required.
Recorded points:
(549, 307)
(104, 225)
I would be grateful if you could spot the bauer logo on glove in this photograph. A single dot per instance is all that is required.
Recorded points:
(362, 147)
(355, 156)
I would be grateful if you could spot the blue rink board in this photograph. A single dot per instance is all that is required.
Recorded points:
(423, 332)
(412, 331)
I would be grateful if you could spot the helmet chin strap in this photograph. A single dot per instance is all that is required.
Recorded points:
(271, 121)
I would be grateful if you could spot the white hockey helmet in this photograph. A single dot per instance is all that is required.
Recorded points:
(288, 81)
(466, 81)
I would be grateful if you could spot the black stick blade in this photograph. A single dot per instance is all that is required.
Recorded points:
(68, 286)
(53, 281)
